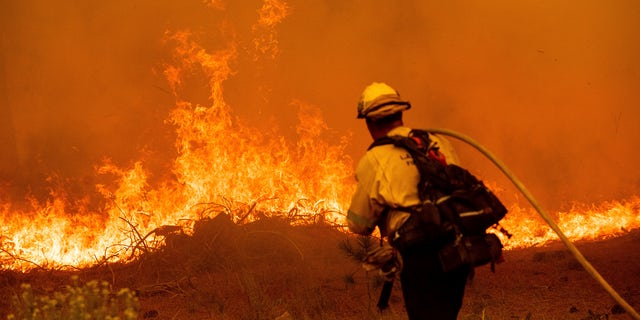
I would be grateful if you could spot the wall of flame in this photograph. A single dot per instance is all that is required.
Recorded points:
(150, 113)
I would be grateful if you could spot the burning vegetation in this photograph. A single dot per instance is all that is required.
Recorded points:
(222, 165)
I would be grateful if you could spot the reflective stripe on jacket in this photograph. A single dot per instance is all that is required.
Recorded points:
(387, 181)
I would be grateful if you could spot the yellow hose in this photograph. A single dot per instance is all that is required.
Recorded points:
(583, 261)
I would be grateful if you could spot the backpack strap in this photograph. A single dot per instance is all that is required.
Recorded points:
(435, 183)
(429, 161)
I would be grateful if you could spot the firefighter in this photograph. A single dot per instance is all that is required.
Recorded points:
(387, 184)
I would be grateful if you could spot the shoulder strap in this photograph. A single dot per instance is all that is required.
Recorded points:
(433, 177)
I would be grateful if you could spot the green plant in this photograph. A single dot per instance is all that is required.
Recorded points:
(93, 300)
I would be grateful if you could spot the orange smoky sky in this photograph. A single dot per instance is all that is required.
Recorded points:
(552, 88)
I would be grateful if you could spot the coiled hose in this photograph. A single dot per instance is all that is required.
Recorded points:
(583, 261)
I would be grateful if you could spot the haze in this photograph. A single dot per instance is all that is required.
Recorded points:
(552, 88)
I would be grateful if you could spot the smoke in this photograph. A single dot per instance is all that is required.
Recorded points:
(551, 88)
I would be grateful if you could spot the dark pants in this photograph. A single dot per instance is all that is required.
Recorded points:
(429, 293)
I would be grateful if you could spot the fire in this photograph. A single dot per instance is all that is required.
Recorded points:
(265, 39)
(582, 222)
(225, 166)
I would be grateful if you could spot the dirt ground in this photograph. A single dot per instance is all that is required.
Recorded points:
(271, 270)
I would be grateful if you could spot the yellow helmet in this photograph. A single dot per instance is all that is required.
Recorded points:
(379, 100)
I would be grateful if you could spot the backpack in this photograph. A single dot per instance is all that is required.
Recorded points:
(455, 212)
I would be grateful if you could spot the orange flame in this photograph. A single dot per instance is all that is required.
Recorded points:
(582, 222)
(265, 36)
(225, 166)
(216, 4)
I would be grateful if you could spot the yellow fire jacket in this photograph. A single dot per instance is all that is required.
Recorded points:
(387, 182)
